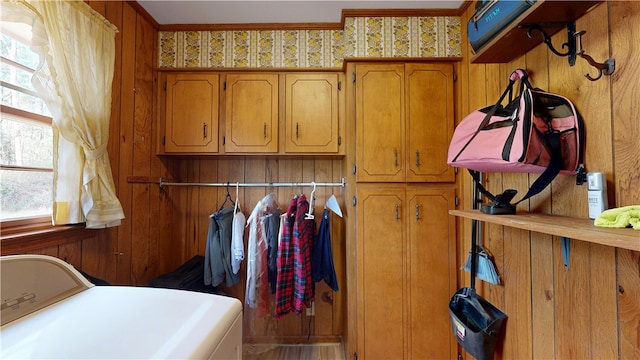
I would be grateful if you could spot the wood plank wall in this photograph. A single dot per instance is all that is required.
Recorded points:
(164, 227)
(193, 205)
(590, 309)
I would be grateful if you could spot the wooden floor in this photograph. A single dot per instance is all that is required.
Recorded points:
(323, 351)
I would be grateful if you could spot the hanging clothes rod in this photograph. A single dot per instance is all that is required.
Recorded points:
(291, 184)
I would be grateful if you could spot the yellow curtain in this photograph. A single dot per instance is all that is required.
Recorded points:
(77, 46)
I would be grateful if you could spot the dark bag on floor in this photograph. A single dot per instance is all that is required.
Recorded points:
(476, 323)
(490, 17)
(188, 276)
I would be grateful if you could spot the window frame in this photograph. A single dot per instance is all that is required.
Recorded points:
(31, 233)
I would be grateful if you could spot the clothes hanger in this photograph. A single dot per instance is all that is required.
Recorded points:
(332, 204)
(236, 206)
(309, 215)
(227, 198)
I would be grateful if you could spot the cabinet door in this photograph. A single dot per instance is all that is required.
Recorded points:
(251, 113)
(432, 275)
(191, 117)
(380, 123)
(311, 113)
(381, 274)
(430, 122)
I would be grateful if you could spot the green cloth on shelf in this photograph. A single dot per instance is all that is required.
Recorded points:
(620, 217)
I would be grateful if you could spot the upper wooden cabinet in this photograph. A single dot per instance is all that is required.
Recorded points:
(251, 109)
(404, 122)
(311, 113)
(191, 113)
(259, 113)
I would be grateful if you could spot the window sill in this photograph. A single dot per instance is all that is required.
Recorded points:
(30, 240)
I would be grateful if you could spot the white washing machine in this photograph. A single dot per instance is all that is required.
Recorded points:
(50, 311)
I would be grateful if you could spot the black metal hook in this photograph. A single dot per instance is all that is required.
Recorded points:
(574, 47)
(570, 45)
(606, 68)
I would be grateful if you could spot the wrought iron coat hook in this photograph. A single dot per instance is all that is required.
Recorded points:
(574, 47)
(570, 44)
(606, 68)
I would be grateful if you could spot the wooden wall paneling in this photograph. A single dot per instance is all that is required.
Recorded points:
(247, 207)
(628, 304)
(350, 329)
(98, 256)
(291, 325)
(338, 241)
(573, 308)
(463, 108)
(180, 203)
(162, 167)
(142, 270)
(210, 199)
(516, 251)
(582, 294)
(165, 228)
(572, 288)
(624, 22)
(271, 328)
(122, 252)
(192, 209)
(542, 260)
(158, 231)
(310, 173)
(323, 319)
(476, 98)
(255, 171)
(72, 253)
(603, 302)
(494, 84)
(50, 251)
(176, 201)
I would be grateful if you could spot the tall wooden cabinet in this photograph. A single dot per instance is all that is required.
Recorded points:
(406, 272)
(406, 240)
(404, 122)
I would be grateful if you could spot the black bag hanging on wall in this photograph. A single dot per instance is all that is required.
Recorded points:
(476, 323)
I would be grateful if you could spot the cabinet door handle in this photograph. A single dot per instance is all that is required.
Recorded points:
(264, 130)
(204, 130)
(417, 212)
(417, 158)
(395, 157)
(397, 212)
(297, 130)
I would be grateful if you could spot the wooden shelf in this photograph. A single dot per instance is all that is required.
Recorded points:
(513, 41)
(574, 228)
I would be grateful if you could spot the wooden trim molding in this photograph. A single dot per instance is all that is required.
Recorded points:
(23, 242)
(142, 12)
(249, 27)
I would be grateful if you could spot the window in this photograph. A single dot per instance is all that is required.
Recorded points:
(26, 136)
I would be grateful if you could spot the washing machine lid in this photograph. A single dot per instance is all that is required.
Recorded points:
(120, 322)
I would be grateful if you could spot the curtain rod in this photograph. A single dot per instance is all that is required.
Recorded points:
(283, 184)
